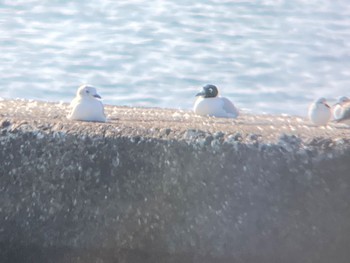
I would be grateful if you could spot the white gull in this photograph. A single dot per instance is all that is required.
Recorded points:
(344, 115)
(337, 108)
(320, 112)
(209, 103)
(87, 106)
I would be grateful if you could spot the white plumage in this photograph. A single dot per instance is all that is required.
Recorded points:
(209, 103)
(339, 107)
(86, 106)
(320, 112)
(344, 116)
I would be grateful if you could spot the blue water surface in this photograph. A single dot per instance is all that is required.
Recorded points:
(271, 56)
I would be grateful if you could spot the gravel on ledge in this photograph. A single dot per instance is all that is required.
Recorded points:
(166, 124)
(165, 185)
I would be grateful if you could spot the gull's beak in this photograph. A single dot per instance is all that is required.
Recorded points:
(97, 96)
(327, 105)
(202, 93)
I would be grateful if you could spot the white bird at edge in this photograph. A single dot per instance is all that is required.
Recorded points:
(319, 112)
(344, 116)
(209, 103)
(337, 108)
(87, 106)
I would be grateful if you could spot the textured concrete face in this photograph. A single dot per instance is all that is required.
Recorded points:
(87, 192)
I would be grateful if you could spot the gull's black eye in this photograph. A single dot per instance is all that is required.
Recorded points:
(87, 91)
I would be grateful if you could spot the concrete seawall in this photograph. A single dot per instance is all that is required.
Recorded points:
(160, 185)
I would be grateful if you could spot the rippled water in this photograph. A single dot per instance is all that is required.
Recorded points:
(270, 55)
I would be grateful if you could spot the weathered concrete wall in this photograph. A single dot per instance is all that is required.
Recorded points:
(99, 196)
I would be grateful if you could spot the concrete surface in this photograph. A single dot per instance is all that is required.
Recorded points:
(163, 185)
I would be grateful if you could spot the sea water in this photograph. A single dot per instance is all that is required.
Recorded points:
(272, 56)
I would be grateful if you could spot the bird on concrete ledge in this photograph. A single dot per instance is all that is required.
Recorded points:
(87, 106)
(344, 112)
(320, 112)
(338, 108)
(209, 103)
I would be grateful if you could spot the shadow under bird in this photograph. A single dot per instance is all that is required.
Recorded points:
(320, 112)
(209, 103)
(87, 106)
